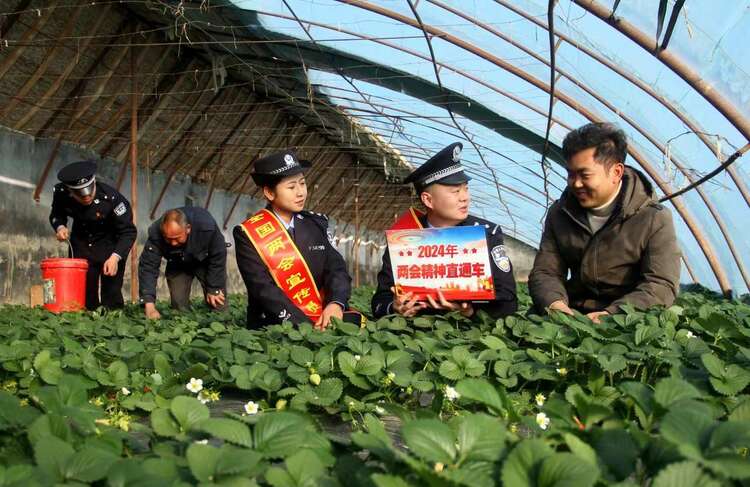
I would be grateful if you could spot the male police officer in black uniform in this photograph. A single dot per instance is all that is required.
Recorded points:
(281, 176)
(194, 247)
(103, 231)
(443, 188)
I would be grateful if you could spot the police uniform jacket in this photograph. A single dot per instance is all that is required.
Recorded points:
(100, 229)
(505, 302)
(267, 303)
(205, 247)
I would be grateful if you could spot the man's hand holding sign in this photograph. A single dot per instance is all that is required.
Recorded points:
(440, 268)
(445, 259)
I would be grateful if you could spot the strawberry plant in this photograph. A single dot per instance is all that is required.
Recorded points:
(654, 398)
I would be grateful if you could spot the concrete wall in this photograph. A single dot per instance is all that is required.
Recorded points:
(26, 237)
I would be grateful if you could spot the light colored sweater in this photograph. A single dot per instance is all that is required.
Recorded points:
(600, 215)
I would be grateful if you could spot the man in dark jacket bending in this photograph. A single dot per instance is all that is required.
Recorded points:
(194, 247)
(608, 231)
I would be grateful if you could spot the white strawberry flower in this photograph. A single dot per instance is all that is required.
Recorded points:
(125, 391)
(201, 442)
(357, 357)
(542, 420)
(203, 397)
(195, 385)
(451, 393)
(251, 408)
(690, 334)
(539, 399)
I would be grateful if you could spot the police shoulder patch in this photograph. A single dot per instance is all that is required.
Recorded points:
(500, 258)
(330, 238)
(120, 209)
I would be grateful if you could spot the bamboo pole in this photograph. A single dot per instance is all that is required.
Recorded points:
(134, 172)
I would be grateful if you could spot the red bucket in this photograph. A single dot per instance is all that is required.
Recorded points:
(64, 284)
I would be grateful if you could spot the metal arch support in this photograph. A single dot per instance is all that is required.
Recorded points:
(50, 56)
(689, 268)
(419, 55)
(645, 87)
(673, 62)
(680, 166)
(704, 244)
(458, 71)
(61, 78)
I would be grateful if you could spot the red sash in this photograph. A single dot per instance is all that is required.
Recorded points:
(409, 220)
(284, 261)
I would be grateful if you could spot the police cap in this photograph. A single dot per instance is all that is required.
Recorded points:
(442, 168)
(277, 166)
(78, 176)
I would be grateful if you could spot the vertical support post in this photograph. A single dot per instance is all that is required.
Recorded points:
(237, 198)
(356, 223)
(45, 173)
(213, 180)
(133, 171)
(47, 167)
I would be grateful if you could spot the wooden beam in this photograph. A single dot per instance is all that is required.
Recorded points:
(9, 20)
(17, 50)
(245, 180)
(159, 102)
(184, 138)
(340, 206)
(213, 182)
(106, 109)
(122, 133)
(113, 119)
(330, 177)
(356, 224)
(201, 137)
(184, 148)
(236, 156)
(318, 180)
(20, 94)
(45, 172)
(374, 198)
(101, 83)
(72, 96)
(168, 84)
(193, 100)
(133, 170)
(218, 150)
(55, 86)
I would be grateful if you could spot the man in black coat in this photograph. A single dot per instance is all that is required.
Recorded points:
(194, 247)
(103, 231)
(281, 176)
(443, 188)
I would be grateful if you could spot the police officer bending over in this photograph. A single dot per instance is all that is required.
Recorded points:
(194, 247)
(443, 188)
(291, 269)
(103, 231)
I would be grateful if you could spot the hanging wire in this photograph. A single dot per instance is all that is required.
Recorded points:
(453, 117)
(553, 78)
(730, 160)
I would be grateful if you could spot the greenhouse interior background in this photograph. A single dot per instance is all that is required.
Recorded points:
(368, 91)
(520, 377)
